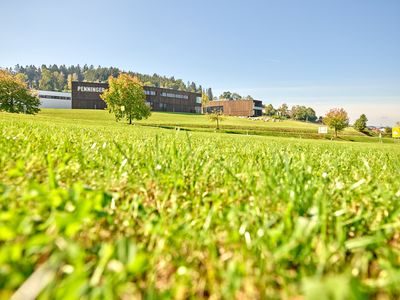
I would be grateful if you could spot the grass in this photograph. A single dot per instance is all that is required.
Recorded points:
(107, 210)
(193, 122)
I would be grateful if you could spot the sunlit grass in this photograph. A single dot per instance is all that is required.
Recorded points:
(118, 211)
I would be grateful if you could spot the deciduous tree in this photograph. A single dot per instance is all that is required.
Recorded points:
(15, 97)
(337, 119)
(283, 110)
(361, 123)
(269, 110)
(216, 116)
(204, 99)
(230, 96)
(125, 98)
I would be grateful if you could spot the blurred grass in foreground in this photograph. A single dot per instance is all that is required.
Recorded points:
(116, 211)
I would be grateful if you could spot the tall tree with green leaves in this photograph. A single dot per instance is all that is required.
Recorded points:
(15, 97)
(46, 81)
(283, 111)
(336, 119)
(204, 99)
(210, 94)
(126, 99)
(230, 96)
(269, 110)
(71, 77)
(361, 123)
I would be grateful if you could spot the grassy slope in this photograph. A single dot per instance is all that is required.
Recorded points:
(125, 210)
(202, 123)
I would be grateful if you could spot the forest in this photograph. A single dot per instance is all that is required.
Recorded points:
(59, 77)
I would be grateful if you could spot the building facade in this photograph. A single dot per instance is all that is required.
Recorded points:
(86, 95)
(50, 99)
(240, 108)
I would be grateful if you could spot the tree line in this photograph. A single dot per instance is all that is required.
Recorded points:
(59, 77)
(297, 112)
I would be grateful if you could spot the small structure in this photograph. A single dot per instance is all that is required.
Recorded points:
(239, 108)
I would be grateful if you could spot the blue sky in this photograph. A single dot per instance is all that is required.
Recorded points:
(318, 53)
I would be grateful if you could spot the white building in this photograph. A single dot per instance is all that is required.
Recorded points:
(49, 99)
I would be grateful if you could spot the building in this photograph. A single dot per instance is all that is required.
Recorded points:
(86, 95)
(49, 99)
(245, 108)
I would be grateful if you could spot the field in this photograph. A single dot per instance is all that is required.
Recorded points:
(94, 209)
(190, 122)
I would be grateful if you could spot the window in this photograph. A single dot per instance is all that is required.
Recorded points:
(198, 99)
(54, 97)
(177, 96)
(213, 109)
(150, 93)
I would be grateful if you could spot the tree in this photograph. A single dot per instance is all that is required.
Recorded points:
(230, 96)
(204, 99)
(59, 80)
(270, 110)
(226, 95)
(337, 119)
(283, 110)
(216, 116)
(22, 77)
(302, 113)
(210, 94)
(361, 123)
(236, 96)
(46, 81)
(311, 115)
(15, 97)
(125, 98)
(71, 77)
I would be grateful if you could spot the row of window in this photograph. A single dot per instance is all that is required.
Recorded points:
(150, 93)
(54, 97)
(213, 109)
(171, 95)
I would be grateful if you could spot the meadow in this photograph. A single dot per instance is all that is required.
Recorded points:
(94, 209)
(202, 123)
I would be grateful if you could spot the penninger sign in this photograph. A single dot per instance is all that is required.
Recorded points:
(396, 132)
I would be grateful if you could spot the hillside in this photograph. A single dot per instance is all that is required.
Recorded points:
(192, 122)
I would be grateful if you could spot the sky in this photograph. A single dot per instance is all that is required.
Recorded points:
(318, 53)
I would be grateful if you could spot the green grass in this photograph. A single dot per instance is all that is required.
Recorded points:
(193, 122)
(116, 211)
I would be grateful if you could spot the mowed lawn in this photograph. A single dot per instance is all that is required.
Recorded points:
(178, 119)
(105, 210)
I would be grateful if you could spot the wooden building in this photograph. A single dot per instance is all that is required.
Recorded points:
(86, 95)
(244, 108)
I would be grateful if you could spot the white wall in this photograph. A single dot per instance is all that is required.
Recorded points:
(53, 103)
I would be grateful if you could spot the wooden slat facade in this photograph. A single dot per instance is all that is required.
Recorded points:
(242, 108)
